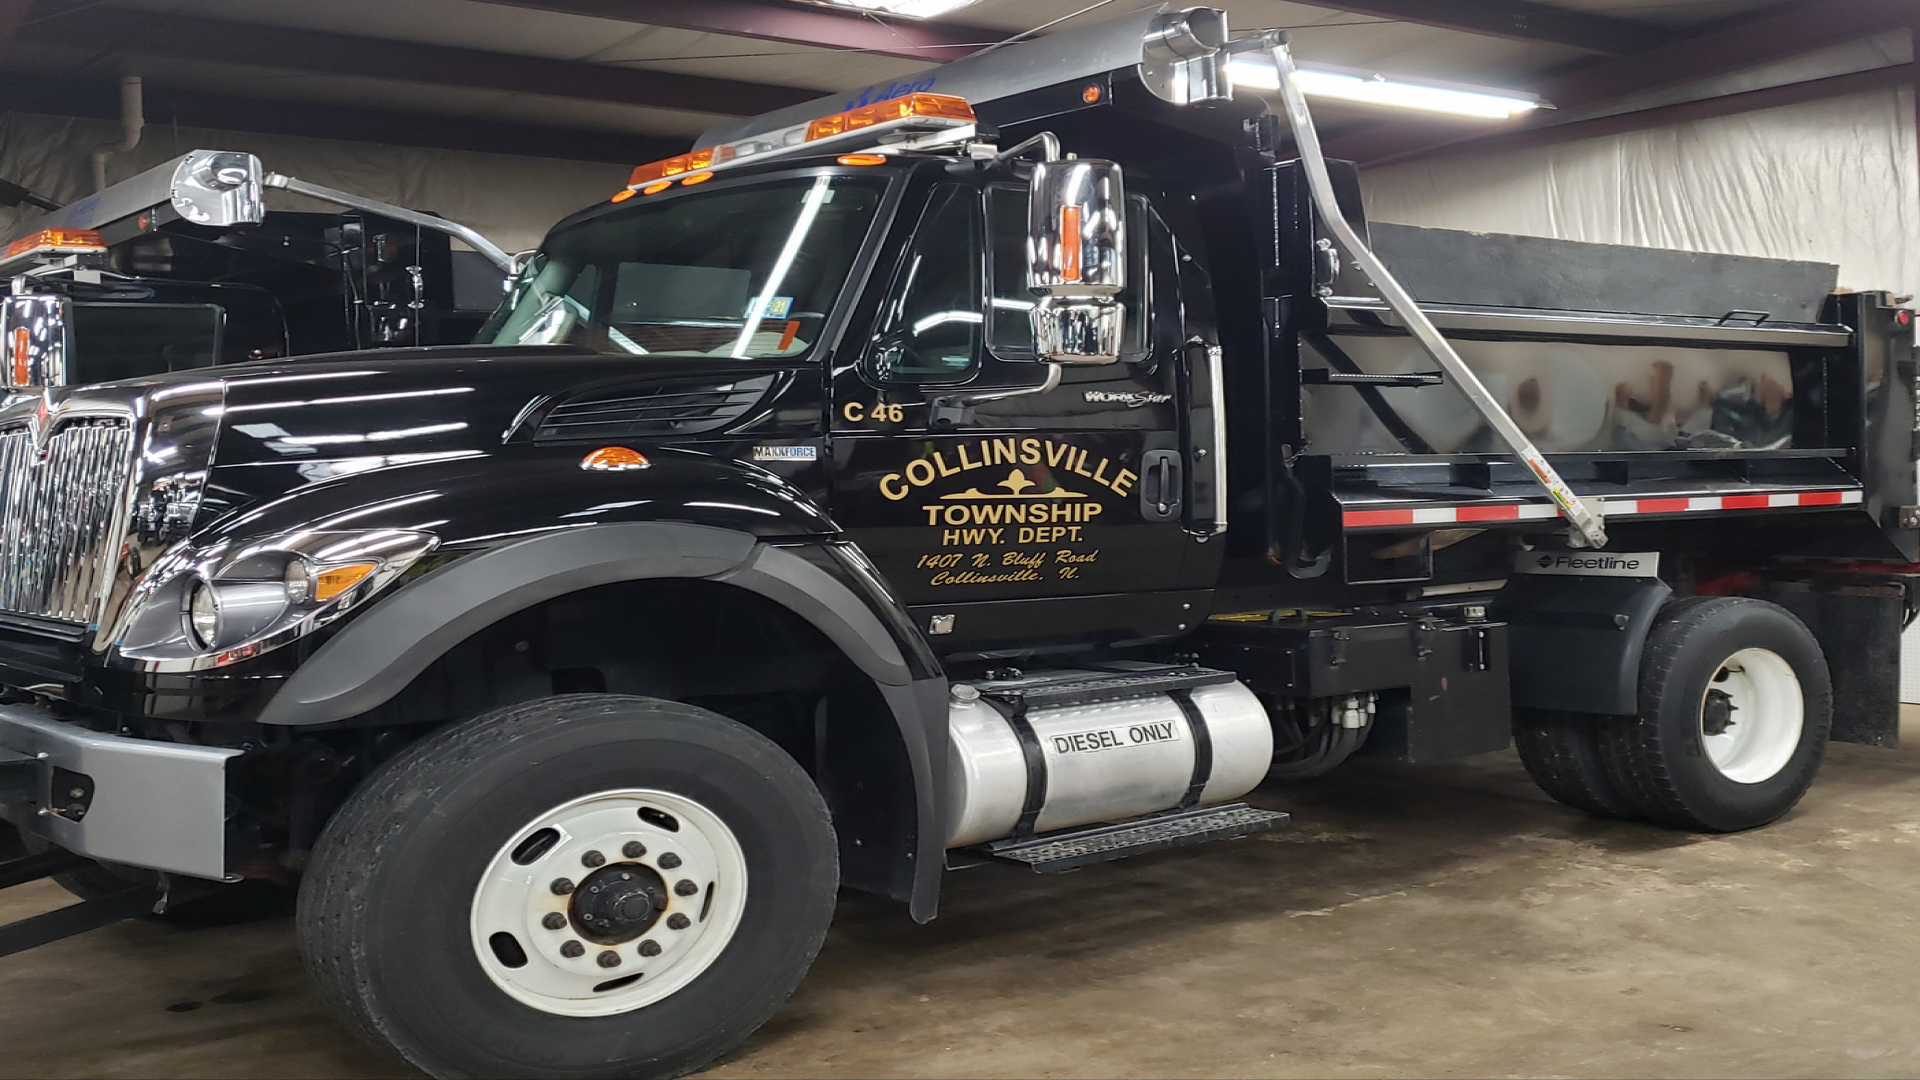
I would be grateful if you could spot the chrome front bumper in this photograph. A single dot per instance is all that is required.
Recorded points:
(157, 805)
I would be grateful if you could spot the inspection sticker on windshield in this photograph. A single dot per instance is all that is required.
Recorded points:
(786, 453)
(777, 308)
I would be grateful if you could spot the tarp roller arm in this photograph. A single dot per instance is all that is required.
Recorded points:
(1587, 530)
(479, 243)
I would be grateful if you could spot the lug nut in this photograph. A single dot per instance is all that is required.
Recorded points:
(573, 950)
(561, 886)
(608, 959)
(553, 920)
(683, 887)
(649, 948)
(592, 859)
(633, 849)
(669, 861)
(678, 921)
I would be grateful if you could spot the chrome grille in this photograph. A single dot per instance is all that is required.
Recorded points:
(59, 518)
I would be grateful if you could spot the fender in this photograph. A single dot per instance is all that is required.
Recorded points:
(378, 653)
(1576, 641)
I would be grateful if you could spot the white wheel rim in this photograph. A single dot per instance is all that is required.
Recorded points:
(518, 899)
(1766, 716)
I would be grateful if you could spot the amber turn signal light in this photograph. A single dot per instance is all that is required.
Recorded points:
(330, 583)
(614, 459)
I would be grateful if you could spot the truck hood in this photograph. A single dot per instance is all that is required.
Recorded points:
(290, 423)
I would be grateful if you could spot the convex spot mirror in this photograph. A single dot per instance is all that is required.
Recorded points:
(1077, 260)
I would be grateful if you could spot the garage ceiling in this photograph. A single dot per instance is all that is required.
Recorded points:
(630, 80)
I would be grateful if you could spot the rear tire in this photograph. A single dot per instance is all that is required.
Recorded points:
(1735, 708)
(700, 872)
(1561, 751)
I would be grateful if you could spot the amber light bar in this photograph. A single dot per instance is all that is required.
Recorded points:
(57, 242)
(914, 112)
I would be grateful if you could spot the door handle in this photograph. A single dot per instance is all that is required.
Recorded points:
(1161, 484)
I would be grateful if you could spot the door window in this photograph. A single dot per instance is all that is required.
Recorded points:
(929, 332)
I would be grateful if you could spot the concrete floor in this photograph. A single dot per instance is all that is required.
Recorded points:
(1414, 921)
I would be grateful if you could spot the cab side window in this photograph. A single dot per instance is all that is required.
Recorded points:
(930, 327)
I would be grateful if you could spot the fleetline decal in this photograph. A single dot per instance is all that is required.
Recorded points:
(1023, 516)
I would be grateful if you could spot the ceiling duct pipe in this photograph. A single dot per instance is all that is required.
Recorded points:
(133, 118)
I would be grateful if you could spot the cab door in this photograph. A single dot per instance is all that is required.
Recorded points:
(1005, 507)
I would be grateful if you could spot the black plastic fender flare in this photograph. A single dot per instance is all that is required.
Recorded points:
(1576, 640)
(379, 653)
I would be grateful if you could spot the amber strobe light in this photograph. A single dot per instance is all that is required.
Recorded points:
(943, 109)
(57, 241)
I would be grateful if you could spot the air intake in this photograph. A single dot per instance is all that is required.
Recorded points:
(665, 408)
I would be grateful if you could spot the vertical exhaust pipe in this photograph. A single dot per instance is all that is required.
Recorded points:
(133, 118)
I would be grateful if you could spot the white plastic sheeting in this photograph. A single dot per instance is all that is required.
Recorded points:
(511, 200)
(1833, 181)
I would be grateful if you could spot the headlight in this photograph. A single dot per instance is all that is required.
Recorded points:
(207, 608)
(203, 614)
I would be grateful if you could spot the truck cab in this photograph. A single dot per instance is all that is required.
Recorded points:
(1020, 465)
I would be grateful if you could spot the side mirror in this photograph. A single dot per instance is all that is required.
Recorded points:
(34, 330)
(1077, 260)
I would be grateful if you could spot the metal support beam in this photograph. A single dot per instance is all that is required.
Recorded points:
(93, 28)
(98, 99)
(794, 24)
(1519, 20)
(1777, 33)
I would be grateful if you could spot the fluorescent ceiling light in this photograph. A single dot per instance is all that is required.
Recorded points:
(1371, 89)
(912, 9)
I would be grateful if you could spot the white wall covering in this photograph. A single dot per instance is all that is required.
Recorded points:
(1831, 180)
(1834, 181)
(512, 200)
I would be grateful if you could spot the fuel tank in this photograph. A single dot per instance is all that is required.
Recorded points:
(1101, 761)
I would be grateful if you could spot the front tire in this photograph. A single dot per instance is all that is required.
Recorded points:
(591, 885)
(1735, 708)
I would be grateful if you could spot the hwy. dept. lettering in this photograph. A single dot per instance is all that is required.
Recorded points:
(1092, 742)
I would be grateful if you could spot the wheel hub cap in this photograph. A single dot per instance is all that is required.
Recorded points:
(1751, 716)
(609, 903)
(618, 903)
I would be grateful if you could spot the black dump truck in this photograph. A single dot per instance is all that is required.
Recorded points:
(183, 266)
(1020, 462)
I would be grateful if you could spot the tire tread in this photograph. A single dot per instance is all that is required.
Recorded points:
(1638, 759)
(333, 920)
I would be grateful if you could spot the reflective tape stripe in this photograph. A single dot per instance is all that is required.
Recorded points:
(1479, 512)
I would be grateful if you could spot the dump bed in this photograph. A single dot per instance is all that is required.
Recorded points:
(1669, 386)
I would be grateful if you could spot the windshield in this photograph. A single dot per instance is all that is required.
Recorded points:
(749, 272)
